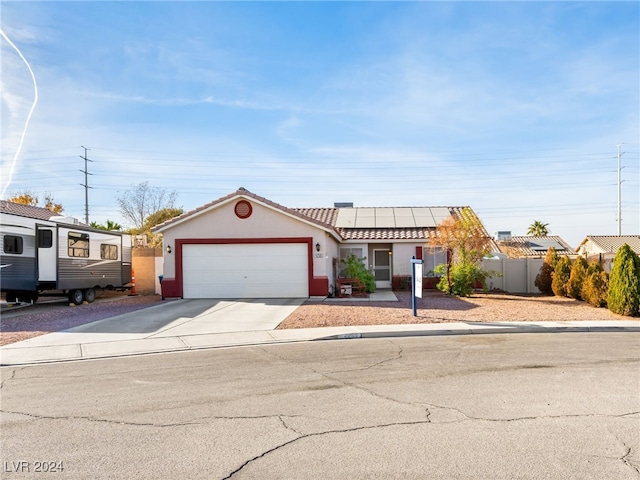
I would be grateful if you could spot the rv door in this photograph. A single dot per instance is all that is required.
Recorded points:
(47, 243)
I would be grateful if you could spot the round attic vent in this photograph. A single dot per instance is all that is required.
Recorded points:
(243, 209)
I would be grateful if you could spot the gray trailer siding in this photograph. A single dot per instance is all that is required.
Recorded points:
(77, 273)
(18, 272)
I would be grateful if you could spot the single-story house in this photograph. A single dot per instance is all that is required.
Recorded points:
(603, 248)
(533, 247)
(245, 246)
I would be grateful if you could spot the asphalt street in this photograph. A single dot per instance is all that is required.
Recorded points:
(563, 405)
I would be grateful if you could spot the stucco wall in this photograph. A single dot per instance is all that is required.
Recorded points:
(264, 222)
(145, 266)
(402, 254)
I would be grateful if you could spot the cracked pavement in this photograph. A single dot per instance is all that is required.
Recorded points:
(490, 406)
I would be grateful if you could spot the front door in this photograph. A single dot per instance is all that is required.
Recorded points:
(382, 268)
(47, 244)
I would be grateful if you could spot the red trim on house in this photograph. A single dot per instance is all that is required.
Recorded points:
(172, 287)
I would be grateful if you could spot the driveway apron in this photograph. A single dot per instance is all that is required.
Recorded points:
(177, 318)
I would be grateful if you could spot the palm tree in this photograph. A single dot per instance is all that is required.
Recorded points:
(538, 229)
(108, 225)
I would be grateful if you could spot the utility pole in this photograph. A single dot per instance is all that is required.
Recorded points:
(86, 185)
(619, 191)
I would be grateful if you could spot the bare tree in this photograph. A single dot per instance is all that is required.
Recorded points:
(143, 200)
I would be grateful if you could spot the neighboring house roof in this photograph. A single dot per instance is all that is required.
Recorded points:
(28, 211)
(527, 246)
(608, 243)
(379, 223)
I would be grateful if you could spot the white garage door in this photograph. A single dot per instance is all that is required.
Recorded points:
(265, 270)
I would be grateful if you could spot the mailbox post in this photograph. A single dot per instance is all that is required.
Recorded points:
(416, 282)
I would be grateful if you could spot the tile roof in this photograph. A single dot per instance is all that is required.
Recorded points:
(527, 246)
(28, 211)
(326, 218)
(323, 215)
(384, 233)
(611, 243)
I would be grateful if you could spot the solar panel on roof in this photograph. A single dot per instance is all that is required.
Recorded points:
(440, 213)
(543, 244)
(404, 217)
(423, 217)
(346, 218)
(385, 218)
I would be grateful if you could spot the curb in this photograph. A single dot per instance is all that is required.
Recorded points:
(35, 355)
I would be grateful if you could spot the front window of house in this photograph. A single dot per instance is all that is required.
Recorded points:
(344, 254)
(432, 258)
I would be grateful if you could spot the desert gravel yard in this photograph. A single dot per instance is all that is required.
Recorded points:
(435, 307)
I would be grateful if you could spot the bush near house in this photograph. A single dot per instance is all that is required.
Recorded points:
(463, 278)
(543, 279)
(624, 283)
(355, 267)
(577, 277)
(560, 277)
(595, 286)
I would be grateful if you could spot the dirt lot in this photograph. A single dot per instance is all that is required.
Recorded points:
(53, 314)
(27, 322)
(436, 307)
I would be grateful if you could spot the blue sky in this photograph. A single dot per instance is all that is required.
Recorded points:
(512, 108)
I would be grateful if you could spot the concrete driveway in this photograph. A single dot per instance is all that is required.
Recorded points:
(176, 318)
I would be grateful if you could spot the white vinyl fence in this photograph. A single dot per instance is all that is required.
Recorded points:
(514, 275)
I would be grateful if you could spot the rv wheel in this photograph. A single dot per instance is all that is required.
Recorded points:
(12, 297)
(90, 295)
(76, 296)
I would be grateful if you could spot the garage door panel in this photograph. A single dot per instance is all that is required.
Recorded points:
(245, 271)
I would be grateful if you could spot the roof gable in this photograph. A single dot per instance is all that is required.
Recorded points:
(611, 243)
(242, 193)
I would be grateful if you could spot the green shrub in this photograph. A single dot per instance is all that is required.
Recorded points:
(576, 278)
(464, 277)
(595, 286)
(354, 267)
(624, 283)
(560, 277)
(543, 279)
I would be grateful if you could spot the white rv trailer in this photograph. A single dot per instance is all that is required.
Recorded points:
(58, 254)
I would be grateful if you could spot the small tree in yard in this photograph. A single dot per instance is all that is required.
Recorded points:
(560, 277)
(624, 283)
(576, 278)
(543, 279)
(595, 286)
(466, 242)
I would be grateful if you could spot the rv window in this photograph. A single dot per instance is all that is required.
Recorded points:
(78, 244)
(45, 238)
(108, 252)
(12, 244)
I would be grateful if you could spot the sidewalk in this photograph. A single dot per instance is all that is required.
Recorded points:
(17, 354)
